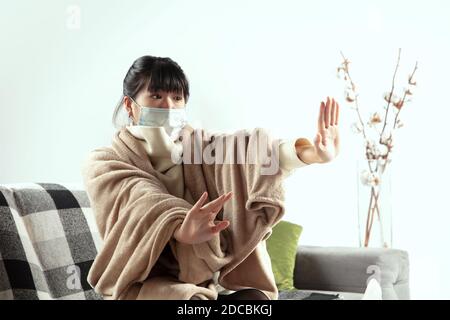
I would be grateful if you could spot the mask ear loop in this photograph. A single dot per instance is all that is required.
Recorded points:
(130, 118)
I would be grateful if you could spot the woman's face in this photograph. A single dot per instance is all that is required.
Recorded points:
(157, 99)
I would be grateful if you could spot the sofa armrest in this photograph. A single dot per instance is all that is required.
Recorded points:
(349, 269)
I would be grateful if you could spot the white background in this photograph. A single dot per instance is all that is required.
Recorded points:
(250, 63)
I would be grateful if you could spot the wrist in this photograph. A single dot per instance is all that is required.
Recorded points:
(176, 234)
(307, 154)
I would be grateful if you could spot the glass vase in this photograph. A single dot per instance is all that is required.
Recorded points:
(374, 203)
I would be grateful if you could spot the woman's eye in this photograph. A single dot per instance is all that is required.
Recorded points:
(157, 96)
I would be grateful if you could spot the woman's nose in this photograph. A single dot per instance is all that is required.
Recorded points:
(168, 103)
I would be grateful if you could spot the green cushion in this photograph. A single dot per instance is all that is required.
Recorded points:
(282, 248)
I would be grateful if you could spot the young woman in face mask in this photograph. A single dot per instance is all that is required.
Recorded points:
(155, 94)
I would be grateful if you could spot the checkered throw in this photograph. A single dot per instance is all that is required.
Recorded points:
(48, 242)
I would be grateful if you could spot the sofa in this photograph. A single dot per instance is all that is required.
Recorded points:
(49, 239)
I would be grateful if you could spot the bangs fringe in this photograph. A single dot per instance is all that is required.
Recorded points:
(166, 77)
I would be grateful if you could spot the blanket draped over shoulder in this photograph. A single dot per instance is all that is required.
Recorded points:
(137, 216)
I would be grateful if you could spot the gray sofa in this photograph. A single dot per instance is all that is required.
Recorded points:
(48, 241)
(347, 270)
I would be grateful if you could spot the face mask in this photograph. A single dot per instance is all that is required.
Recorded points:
(172, 119)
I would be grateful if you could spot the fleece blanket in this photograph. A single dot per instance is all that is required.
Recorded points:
(136, 217)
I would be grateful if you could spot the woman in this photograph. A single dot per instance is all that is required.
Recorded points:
(162, 238)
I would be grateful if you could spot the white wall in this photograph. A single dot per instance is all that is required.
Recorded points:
(257, 63)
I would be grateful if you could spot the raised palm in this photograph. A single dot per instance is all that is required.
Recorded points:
(327, 137)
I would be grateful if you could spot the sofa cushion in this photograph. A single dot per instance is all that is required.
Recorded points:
(48, 242)
(282, 248)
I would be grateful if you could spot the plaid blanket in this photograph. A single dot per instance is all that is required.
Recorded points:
(48, 242)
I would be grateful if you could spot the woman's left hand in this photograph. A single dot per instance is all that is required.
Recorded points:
(326, 141)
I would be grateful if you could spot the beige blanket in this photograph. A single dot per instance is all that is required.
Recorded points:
(137, 216)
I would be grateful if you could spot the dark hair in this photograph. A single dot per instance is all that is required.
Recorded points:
(153, 74)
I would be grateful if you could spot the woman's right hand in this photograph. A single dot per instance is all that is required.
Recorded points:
(198, 225)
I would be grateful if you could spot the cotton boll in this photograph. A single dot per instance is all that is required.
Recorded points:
(374, 119)
(399, 104)
(391, 98)
(350, 96)
(365, 177)
(370, 179)
(382, 149)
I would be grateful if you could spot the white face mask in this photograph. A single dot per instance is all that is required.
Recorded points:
(172, 119)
